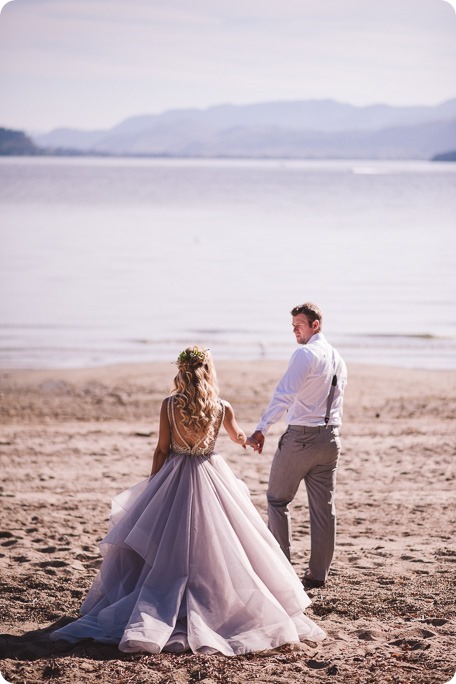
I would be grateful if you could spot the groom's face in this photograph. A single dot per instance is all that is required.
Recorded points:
(303, 330)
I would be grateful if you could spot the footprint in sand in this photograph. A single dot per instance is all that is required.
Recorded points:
(385, 580)
(410, 644)
(382, 554)
(52, 564)
(369, 635)
(19, 598)
(10, 542)
(21, 559)
(76, 593)
(93, 564)
(415, 640)
(10, 537)
(435, 622)
(317, 664)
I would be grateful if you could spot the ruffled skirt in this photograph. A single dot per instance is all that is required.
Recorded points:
(188, 563)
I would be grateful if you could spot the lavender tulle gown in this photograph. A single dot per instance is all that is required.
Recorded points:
(188, 563)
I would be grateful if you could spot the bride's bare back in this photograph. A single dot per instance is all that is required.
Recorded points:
(195, 443)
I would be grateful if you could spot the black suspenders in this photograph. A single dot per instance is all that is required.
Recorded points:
(331, 392)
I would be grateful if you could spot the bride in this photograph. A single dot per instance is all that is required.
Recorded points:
(188, 562)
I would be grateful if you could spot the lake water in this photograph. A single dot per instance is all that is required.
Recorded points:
(108, 260)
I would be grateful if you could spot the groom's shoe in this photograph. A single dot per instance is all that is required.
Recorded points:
(310, 582)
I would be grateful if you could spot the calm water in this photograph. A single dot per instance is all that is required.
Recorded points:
(108, 260)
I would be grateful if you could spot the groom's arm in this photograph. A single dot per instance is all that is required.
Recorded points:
(283, 397)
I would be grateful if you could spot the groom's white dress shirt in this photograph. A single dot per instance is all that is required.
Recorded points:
(303, 391)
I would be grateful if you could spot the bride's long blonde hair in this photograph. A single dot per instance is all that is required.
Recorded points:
(196, 390)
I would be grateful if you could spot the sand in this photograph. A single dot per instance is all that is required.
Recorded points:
(72, 439)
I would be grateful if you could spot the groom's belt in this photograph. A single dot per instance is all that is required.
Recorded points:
(312, 428)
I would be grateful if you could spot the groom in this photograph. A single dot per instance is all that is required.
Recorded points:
(311, 393)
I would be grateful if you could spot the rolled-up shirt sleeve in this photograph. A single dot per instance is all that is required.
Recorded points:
(287, 389)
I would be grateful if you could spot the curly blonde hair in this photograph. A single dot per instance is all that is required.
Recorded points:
(196, 390)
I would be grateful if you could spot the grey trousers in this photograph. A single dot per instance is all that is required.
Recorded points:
(310, 454)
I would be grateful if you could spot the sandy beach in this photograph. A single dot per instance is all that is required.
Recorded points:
(72, 439)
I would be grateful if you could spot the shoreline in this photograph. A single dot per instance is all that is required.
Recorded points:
(37, 351)
(70, 440)
(399, 361)
(224, 365)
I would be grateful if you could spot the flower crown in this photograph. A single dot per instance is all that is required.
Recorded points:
(192, 356)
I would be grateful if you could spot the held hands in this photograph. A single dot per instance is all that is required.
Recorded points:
(256, 441)
(241, 439)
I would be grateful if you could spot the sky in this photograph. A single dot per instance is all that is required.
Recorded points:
(93, 63)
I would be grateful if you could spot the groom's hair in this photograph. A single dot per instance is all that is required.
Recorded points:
(310, 311)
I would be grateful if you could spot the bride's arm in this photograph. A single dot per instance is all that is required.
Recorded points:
(234, 431)
(164, 440)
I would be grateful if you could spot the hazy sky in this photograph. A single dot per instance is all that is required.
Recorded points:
(93, 63)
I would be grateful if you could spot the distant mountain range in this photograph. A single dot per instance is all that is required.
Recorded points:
(16, 143)
(316, 129)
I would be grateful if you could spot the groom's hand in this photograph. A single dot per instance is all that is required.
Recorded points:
(256, 441)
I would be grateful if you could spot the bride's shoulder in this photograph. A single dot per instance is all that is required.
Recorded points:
(168, 402)
(227, 408)
(173, 396)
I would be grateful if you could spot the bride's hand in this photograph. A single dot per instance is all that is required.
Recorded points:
(242, 439)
